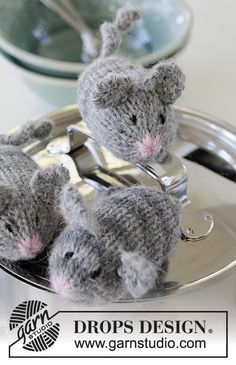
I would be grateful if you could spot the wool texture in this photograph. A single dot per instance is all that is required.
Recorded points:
(29, 196)
(127, 107)
(117, 248)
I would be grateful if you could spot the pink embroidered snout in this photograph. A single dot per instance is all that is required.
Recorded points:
(30, 246)
(63, 286)
(149, 146)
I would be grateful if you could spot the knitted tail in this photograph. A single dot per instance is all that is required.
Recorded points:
(28, 132)
(111, 33)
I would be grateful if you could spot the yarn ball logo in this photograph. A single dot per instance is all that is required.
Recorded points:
(34, 327)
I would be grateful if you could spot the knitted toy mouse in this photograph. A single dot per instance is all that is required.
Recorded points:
(116, 249)
(29, 196)
(128, 108)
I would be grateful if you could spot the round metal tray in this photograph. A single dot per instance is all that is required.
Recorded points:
(207, 148)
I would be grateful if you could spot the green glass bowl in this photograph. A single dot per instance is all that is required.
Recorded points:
(42, 42)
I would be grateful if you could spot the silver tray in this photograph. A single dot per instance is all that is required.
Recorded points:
(207, 147)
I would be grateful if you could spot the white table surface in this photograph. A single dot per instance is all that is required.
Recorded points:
(209, 61)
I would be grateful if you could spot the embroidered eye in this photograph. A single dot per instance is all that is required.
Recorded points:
(133, 119)
(37, 220)
(162, 118)
(9, 228)
(96, 273)
(68, 255)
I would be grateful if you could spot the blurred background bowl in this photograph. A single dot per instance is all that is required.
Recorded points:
(37, 37)
(55, 90)
(47, 52)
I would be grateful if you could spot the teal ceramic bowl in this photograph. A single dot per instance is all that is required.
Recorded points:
(57, 91)
(42, 42)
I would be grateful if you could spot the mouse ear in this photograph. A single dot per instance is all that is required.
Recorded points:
(113, 91)
(6, 194)
(75, 210)
(167, 80)
(139, 274)
(47, 183)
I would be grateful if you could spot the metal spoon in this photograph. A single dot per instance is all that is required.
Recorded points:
(67, 11)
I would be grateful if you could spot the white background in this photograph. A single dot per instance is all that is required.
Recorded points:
(209, 62)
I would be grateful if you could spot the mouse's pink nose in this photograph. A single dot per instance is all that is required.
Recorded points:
(30, 246)
(149, 146)
(63, 286)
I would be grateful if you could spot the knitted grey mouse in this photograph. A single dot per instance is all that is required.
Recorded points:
(116, 249)
(29, 217)
(128, 108)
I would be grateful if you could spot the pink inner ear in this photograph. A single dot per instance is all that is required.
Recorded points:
(149, 146)
(63, 286)
(31, 246)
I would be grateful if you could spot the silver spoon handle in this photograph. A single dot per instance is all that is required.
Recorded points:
(71, 17)
(72, 12)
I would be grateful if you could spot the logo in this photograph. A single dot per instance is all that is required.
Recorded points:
(34, 327)
(117, 334)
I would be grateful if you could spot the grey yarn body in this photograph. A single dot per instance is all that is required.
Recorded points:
(138, 219)
(118, 248)
(12, 162)
(128, 108)
(29, 196)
